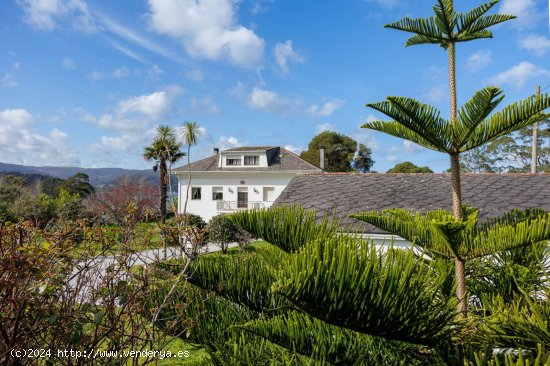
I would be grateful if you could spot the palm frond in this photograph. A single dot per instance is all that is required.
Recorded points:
(512, 217)
(418, 117)
(482, 23)
(190, 133)
(524, 323)
(243, 278)
(510, 119)
(503, 237)
(396, 129)
(344, 281)
(414, 227)
(466, 20)
(289, 228)
(477, 35)
(474, 112)
(330, 344)
(445, 17)
(426, 28)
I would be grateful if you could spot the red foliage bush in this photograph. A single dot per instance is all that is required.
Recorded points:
(137, 197)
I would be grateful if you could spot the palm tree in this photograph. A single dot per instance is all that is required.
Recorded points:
(165, 149)
(471, 126)
(190, 133)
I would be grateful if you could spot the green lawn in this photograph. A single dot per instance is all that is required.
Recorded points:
(147, 236)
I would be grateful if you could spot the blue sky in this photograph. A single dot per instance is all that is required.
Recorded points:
(85, 82)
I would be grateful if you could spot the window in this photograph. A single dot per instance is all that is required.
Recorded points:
(217, 193)
(251, 160)
(195, 193)
(233, 161)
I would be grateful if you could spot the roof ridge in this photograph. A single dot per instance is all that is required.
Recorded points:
(299, 157)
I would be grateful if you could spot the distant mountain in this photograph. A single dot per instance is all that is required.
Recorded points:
(98, 176)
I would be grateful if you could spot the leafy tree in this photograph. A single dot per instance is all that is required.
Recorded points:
(473, 125)
(51, 186)
(190, 132)
(511, 153)
(78, 184)
(222, 231)
(342, 153)
(165, 149)
(408, 167)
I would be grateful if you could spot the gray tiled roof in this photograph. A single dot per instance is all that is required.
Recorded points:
(493, 194)
(279, 159)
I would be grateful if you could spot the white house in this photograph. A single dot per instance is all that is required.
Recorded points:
(238, 178)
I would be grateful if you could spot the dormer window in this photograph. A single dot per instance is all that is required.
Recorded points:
(233, 161)
(251, 160)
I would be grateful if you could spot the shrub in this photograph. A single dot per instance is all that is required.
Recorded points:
(195, 221)
(222, 231)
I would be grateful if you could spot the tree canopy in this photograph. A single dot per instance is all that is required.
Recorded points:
(510, 153)
(408, 167)
(342, 153)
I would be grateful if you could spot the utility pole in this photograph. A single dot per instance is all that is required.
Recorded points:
(535, 141)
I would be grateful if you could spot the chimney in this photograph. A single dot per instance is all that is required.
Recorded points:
(322, 159)
(216, 151)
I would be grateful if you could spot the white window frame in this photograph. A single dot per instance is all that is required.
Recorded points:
(236, 158)
(216, 190)
(256, 160)
(193, 196)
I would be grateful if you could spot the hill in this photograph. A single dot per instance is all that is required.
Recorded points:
(98, 176)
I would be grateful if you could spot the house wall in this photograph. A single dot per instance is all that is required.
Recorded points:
(206, 207)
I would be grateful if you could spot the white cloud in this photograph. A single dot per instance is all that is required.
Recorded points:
(270, 101)
(391, 158)
(207, 29)
(68, 63)
(370, 118)
(437, 93)
(135, 38)
(326, 109)
(525, 10)
(45, 14)
(194, 75)
(285, 54)
(295, 149)
(260, 6)
(120, 150)
(203, 105)
(225, 143)
(10, 77)
(536, 43)
(121, 72)
(411, 148)
(386, 3)
(519, 74)
(19, 144)
(137, 112)
(323, 127)
(155, 73)
(125, 50)
(366, 136)
(479, 60)
(118, 73)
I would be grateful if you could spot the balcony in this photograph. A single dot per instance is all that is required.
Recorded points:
(228, 206)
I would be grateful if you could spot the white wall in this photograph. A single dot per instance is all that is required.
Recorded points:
(206, 207)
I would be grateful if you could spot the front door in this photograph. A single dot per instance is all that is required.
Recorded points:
(242, 198)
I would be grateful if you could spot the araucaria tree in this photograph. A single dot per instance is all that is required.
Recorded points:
(165, 149)
(467, 128)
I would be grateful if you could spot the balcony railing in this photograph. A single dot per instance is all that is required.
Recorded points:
(240, 205)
